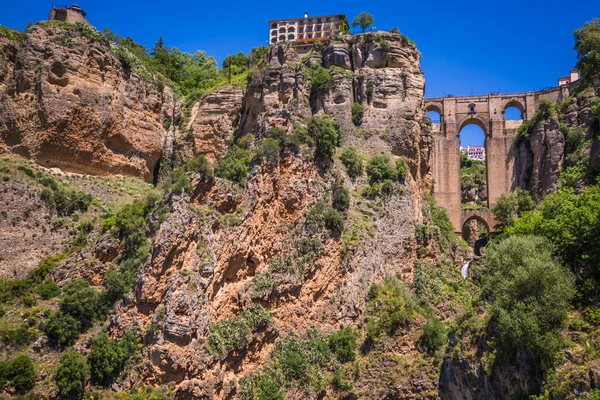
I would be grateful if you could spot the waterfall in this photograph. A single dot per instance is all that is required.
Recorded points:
(464, 270)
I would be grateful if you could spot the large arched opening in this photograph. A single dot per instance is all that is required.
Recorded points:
(513, 111)
(473, 171)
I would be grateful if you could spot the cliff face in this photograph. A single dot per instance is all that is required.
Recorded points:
(67, 101)
(214, 246)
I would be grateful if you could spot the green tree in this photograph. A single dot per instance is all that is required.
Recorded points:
(587, 45)
(340, 198)
(364, 20)
(380, 169)
(352, 161)
(321, 81)
(326, 134)
(531, 294)
(343, 343)
(71, 375)
(62, 329)
(21, 372)
(434, 335)
(107, 357)
(357, 113)
(234, 166)
(505, 211)
(80, 301)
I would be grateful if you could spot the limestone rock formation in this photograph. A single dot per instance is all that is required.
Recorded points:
(212, 124)
(67, 101)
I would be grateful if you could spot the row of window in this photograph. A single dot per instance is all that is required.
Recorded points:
(301, 30)
(292, 37)
(308, 22)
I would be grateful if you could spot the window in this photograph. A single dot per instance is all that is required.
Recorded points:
(336, 19)
(281, 30)
(274, 33)
(301, 30)
(309, 29)
(318, 35)
(318, 20)
(273, 25)
(310, 36)
(301, 23)
(291, 37)
(318, 29)
(291, 29)
(274, 40)
(281, 37)
(327, 19)
(337, 27)
(471, 108)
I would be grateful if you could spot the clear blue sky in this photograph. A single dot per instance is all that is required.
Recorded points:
(468, 46)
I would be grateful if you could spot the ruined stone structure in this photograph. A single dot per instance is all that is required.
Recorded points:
(71, 14)
(487, 112)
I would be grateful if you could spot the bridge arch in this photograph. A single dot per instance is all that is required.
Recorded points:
(516, 104)
(481, 122)
(483, 215)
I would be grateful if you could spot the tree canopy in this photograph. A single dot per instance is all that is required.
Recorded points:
(364, 20)
(587, 45)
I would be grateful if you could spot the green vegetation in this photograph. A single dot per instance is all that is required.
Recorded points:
(48, 290)
(71, 375)
(472, 176)
(509, 207)
(343, 344)
(107, 357)
(321, 81)
(531, 294)
(395, 30)
(545, 111)
(319, 217)
(234, 166)
(19, 372)
(62, 329)
(236, 333)
(379, 169)
(571, 221)
(435, 335)
(391, 306)
(587, 45)
(326, 133)
(80, 301)
(352, 161)
(364, 20)
(341, 198)
(12, 35)
(357, 113)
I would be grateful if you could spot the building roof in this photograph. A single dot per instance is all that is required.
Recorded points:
(343, 16)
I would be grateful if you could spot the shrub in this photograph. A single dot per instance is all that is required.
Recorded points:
(62, 329)
(352, 161)
(107, 357)
(592, 315)
(235, 333)
(66, 201)
(326, 133)
(115, 286)
(80, 301)
(434, 335)
(334, 221)
(48, 290)
(22, 336)
(339, 380)
(71, 375)
(395, 30)
(321, 81)
(20, 372)
(390, 307)
(300, 359)
(380, 169)
(343, 343)
(531, 294)
(357, 113)
(341, 198)
(264, 385)
(269, 150)
(401, 169)
(234, 166)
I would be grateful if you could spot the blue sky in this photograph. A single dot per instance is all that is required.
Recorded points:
(467, 47)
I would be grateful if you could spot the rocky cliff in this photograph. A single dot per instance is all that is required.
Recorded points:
(68, 101)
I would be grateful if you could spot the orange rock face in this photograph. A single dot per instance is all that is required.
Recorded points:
(66, 101)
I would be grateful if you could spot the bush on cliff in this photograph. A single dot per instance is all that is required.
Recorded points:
(531, 294)
(380, 169)
(234, 166)
(80, 301)
(321, 81)
(62, 329)
(357, 113)
(18, 372)
(71, 375)
(326, 133)
(434, 335)
(235, 333)
(352, 161)
(108, 356)
(390, 306)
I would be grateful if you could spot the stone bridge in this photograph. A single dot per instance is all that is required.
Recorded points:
(486, 111)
